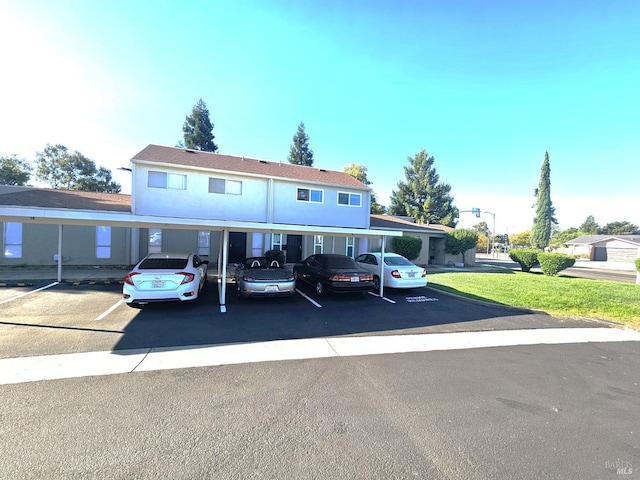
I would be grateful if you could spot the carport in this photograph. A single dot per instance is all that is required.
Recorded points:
(62, 217)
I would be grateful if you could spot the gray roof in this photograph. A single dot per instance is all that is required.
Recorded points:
(218, 162)
(390, 222)
(71, 199)
(591, 239)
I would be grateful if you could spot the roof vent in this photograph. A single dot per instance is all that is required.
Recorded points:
(322, 170)
(189, 150)
(262, 161)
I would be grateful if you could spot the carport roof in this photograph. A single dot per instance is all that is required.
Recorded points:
(69, 207)
(394, 223)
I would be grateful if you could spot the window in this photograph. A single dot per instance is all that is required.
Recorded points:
(309, 195)
(351, 242)
(350, 199)
(204, 242)
(155, 240)
(12, 240)
(167, 180)
(103, 242)
(221, 185)
(276, 241)
(318, 241)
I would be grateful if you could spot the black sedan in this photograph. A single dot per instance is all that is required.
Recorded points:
(335, 273)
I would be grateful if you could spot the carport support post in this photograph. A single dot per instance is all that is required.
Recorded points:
(59, 253)
(381, 292)
(223, 276)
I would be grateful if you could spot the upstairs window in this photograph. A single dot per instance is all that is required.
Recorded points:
(173, 181)
(224, 186)
(310, 195)
(349, 199)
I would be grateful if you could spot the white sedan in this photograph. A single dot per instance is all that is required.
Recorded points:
(165, 277)
(398, 271)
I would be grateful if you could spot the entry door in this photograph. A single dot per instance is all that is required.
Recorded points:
(237, 247)
(294, 248)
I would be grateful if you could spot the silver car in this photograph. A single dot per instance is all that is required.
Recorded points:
(261, 276)
(163, 277)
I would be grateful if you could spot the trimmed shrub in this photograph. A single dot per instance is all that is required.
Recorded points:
(526, 257)
(408, 247)
(275, 255)
(638, 264)
(552, 263)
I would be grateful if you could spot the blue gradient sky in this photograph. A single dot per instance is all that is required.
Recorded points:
(484, 86)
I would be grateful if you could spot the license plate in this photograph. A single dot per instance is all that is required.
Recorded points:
(355, 279)
(271, 288)
(412, 274)
(157, 284)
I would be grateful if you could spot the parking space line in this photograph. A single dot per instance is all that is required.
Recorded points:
(309, 298)
(29, 293)
(384, 298)
(111, 309)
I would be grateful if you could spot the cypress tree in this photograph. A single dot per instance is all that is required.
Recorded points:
(545, 213)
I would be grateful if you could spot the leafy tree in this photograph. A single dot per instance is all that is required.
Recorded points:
(520, 240)
(101, 181)
(457, 242)
(198, 129)
(484, 233)
(560, 237)
(545, 212)
(359, 172)
(14, 171)
(66, 170)
(620, 228)
(300, 153)
(589, 227)
(422, 196)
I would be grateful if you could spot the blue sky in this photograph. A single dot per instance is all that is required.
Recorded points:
(486, 87)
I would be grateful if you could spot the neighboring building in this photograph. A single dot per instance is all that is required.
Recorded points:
(432, 236)
(606, 248)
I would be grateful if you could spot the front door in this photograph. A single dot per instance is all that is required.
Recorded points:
(294, 248)
(237, 247)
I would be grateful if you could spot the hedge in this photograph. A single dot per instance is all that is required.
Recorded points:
(638, 264)
(552, 263)
(526, 257)
(408, 247)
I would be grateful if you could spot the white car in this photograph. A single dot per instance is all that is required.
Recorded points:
(398, 271)
(165, 277)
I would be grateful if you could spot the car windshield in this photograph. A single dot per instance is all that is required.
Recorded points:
(163, 264)
(397, 261)
(339, 262)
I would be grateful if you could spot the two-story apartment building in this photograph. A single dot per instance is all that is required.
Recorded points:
(219, 206)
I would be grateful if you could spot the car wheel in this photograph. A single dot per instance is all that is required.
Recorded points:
(320, 289)
(376, 283)
(135, 305)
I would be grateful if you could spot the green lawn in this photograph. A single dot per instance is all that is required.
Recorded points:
(558, 296)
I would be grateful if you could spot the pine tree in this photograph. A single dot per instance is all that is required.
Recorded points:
(300, 153)
(198, 129)
(545, 213)
(422, 197)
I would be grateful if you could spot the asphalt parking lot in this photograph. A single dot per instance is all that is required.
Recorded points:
(46, 318)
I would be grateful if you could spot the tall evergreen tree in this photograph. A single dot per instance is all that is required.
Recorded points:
(589, 227)
(545, 212)
(300, 153)
(422, 197)
(198, 129)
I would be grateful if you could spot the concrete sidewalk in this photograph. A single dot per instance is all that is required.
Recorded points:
(24, 276)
